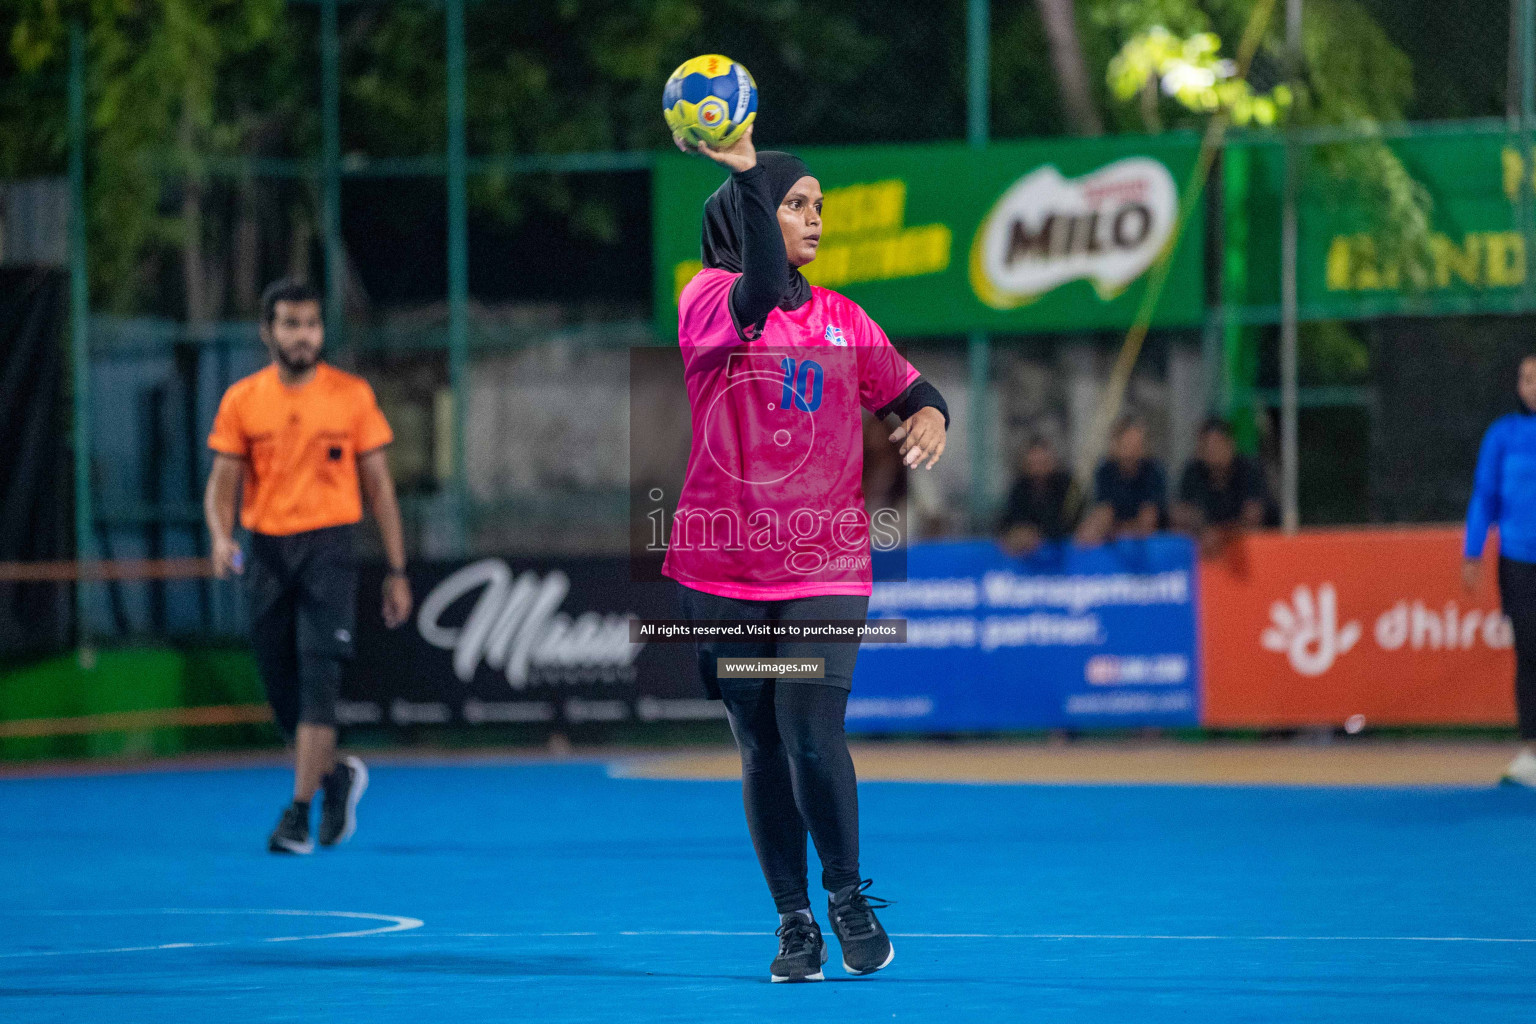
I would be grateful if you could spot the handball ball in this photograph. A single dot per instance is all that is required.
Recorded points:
(710, 99)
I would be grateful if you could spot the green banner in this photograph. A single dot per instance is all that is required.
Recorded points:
(1476, 261)
(944, 239)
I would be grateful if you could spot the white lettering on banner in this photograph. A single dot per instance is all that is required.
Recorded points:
(1046, 230)
(1131, 670)
(946, 632)
(937, 595)
(478, 712)
(577, 710)
(358, 712)
(1307, 630)
(890, 707)
(678, 709)
(516, 627)
(1040, 630)
(1005, 589)
(404, 712)
(1129, 703)
(1451, 629)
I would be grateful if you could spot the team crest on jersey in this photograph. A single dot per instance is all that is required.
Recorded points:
(835, 336)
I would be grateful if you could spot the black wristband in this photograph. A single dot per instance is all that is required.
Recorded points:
(394, 572)
(918, 395)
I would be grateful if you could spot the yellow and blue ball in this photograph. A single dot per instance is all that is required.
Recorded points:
(710, 99)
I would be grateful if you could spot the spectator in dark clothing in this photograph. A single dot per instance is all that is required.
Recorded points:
(1043, 504)
(1130, 489)
(1221, 493)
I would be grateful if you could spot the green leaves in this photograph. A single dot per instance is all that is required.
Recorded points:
(175, 86)
(1192, 73)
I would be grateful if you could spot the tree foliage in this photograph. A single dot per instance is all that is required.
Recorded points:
(178, 87)
(1349, 73)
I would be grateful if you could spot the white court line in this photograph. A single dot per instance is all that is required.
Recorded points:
(396, 923)
(701, 932)
(526, 935)
(1041, 936)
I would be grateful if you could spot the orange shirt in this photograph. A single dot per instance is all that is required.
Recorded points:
(300, 447)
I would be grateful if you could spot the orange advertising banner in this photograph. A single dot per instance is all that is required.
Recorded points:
(1314, 629)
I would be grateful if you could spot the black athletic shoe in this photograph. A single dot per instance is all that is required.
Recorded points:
(866, 947)
(802, 951)
(292, 832)
(343, 788)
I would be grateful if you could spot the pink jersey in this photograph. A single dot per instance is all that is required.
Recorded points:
(772, 506)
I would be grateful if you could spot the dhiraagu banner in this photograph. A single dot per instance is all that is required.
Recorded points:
(942, 239)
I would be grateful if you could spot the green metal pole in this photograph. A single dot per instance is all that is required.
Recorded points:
(458, 268)
(1527, 139)
(79, 314)
(1239, 363)
(1290, 444)
(979, 345)
(978, 71)
(1527, 64)
(979, 362)
(330, 175)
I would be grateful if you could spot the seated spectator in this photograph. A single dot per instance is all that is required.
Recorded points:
(1221, 492)
(1130, 490)
(1043, 504)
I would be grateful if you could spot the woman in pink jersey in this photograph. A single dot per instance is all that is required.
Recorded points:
(771, 525)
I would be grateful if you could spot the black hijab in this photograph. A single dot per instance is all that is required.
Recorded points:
(722, 221)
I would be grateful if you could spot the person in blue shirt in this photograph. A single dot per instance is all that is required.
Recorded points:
(1504, 494)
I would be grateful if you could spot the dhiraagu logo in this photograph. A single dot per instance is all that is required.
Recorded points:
(1107, 227)
(1308, 632)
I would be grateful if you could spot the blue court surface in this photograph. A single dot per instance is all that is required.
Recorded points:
(556, 892)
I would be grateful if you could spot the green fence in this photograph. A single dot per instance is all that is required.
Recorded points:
(939, 241)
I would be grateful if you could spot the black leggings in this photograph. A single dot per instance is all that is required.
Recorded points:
(1517, 593)
(796, 776)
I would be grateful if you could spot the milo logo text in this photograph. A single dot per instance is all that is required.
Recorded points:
(1106, 227)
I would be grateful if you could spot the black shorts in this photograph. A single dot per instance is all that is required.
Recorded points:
(838, 659)
(303, 590)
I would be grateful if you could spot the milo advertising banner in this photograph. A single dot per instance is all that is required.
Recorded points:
(942, 239)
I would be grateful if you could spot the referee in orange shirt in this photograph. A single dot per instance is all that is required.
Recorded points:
(296, 440)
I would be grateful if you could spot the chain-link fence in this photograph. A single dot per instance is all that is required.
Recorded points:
(489, 278)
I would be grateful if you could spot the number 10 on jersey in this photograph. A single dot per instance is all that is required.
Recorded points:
(802, 389)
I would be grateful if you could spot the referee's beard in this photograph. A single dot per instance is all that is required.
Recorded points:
(297, 361)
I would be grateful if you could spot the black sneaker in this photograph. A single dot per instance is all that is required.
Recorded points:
(802, 950)
(866, 947)
(292, 832)
(342, 789)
